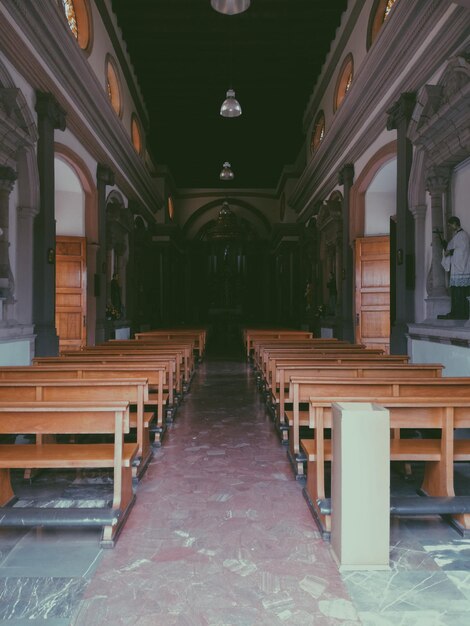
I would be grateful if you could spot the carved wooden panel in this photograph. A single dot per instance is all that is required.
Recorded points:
(372, 292)
(71, 292)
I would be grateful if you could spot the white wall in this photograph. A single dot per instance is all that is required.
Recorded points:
(380, 200)
(69, 201)
(455, 359)
(460, 190)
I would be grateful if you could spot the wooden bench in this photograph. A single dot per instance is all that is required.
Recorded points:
(74, 418)
(157, 378)
(360, 369)
(51, 389)
(130, 346)
(445, 413)
(197, 337)
(184, 362)
(252, 335)
(266, 351)
(301, 390)
(112, 360)
(294, 359)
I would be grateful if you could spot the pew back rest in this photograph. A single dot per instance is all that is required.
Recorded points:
(58, 418)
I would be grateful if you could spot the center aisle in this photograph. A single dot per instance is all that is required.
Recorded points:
(220, 533)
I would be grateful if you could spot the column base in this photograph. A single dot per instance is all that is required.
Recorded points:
(437, 305)
(47, 340)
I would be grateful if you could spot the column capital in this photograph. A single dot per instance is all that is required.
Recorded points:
(418, 211)
(27, 212)
(7, 178)
(437, 179)
(346, 175)
(104, 174)
(401, 109)
(47, 107)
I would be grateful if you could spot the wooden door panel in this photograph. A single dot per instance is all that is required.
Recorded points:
(71, 292)
(372, 291)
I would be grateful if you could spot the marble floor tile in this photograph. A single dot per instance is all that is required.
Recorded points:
(39, 598)
(40, 553)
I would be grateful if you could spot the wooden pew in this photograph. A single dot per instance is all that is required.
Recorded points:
(182, 353)
(48, 418)
(157, 378)
(265, 351)
(294, 359)
(445, 412)
(377, 368)
(111, 360)
(51, 389)
(197, 336)
(252, 335)
(155, 346)
(301, 390)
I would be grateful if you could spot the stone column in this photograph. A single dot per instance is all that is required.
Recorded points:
(50, 117)
(419, 215)
(402, 257)
(437, 182)
(24, 264)
(346, 178)
(104, 177)
(7, 288)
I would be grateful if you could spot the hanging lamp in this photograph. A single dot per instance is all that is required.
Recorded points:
(226, 173)
(230, 7)
(230, 106)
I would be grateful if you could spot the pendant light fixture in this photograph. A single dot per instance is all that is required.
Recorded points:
(230, 106)
(230, 7)
(226, 173)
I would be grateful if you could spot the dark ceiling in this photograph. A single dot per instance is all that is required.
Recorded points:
(186, 56)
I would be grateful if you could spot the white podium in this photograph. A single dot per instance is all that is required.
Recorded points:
(360, 486)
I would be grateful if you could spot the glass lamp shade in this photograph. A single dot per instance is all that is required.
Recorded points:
(230, 7)
(230, 106)
(226, 173)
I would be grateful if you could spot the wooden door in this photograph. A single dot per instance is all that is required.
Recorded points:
(372, 291)
(70, 308)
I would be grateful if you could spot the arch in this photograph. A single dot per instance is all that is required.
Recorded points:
(78, 165)
(358, 190)
(217, 203)
(89, 187)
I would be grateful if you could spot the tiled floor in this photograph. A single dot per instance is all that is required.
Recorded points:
(221, 536)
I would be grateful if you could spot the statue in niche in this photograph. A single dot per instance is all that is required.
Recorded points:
(332, 294)
(115, 310)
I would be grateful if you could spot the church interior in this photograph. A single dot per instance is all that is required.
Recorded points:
(234, 312)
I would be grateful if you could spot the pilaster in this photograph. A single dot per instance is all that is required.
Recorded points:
(104, 177)
(402, 256)
(51, 116)
(7, 181)
(346, 178)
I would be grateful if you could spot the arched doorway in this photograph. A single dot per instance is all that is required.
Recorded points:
(71, 263)
(374, 200)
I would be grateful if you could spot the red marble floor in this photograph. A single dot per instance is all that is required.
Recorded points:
(220, 533)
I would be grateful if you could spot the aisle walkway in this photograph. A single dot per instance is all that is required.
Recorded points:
(220, 533)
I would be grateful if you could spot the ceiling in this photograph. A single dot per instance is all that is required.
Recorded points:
(186, 56)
